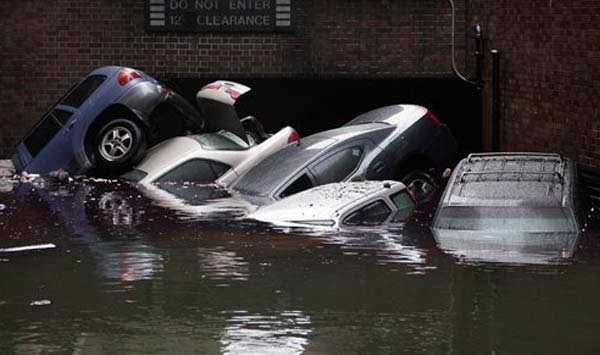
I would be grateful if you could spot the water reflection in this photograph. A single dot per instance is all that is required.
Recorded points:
(284, 333)
(133, 263)
(87, 211)
(396, 244)
(197, 202)
(129, 276)
(220, 264)
(507, 247)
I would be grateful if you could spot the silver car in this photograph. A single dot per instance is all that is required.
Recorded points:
(522, 205)
(402, 142)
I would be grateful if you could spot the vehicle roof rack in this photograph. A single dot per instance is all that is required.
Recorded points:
(512, 174)
(544, 168)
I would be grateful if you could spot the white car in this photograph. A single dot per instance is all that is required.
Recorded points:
(341, 205)
(205, 158)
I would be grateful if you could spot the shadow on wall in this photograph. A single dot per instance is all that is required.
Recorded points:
(312, 105)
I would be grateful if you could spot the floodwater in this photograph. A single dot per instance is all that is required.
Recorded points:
(124, 271)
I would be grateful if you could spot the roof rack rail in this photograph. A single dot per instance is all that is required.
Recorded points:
(521, 172)
(501, 155)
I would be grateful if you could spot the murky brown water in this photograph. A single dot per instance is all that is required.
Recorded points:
(133, 275)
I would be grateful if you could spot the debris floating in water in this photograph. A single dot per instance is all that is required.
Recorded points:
(2, 207)
(61, 176)
(28, 248)
(40, 303)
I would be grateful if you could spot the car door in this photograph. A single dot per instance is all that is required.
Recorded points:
(48, 145)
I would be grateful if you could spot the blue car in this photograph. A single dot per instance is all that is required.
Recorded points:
(105, 123)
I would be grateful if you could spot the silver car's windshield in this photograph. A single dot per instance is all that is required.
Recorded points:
(508, 219)
(266, 176)
(261, 179)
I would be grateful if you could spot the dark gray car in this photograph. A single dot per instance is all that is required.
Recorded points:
(522, 205)
(400, 142)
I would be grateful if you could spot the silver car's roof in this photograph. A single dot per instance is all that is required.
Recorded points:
(510, 179)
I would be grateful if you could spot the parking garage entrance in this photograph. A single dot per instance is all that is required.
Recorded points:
(315, 104)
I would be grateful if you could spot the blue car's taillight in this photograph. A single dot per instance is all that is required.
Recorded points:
(126, 75)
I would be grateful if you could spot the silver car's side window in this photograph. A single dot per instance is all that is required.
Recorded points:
(339, 165)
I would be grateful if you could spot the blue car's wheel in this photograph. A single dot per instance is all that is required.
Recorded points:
(119, 144)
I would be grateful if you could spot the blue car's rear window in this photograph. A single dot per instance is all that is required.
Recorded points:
(81, 93)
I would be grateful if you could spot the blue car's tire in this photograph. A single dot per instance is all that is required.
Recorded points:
(118, 145)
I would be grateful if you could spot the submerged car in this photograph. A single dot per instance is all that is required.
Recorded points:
(105, 121)
(204, 158)
(400, 142)
(516, 203)
(341, 205)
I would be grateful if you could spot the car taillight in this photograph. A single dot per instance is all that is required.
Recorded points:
(293, 137)
(232, 93)
(433, 119)
(214, 86)
(126, 75)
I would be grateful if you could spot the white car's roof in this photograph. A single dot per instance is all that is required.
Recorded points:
(322, 202)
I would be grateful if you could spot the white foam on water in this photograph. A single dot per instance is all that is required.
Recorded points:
(28, 248)
(40, 303)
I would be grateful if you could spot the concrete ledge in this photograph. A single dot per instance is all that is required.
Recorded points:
(6, 168)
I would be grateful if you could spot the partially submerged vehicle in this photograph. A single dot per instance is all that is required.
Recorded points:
(200, 202)
(234, 147)
(204, 158)
(400, 142)
(105, 121)
(341, 205)
(522, 205)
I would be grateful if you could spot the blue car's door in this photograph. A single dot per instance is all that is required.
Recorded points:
(48, 146)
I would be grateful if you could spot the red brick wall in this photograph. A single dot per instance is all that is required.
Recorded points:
(48, 45)
(550, 73)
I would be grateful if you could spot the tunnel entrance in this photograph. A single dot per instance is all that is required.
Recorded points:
(315, 104)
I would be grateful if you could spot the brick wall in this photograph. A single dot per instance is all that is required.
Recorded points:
(48, 45)
(550, 73)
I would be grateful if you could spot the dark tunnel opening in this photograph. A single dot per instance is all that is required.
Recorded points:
(316, 104)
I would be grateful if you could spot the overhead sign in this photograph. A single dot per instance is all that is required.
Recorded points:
(219, 15)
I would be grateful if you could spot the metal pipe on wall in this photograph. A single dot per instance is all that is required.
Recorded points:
(495, 99)
(454, 68)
